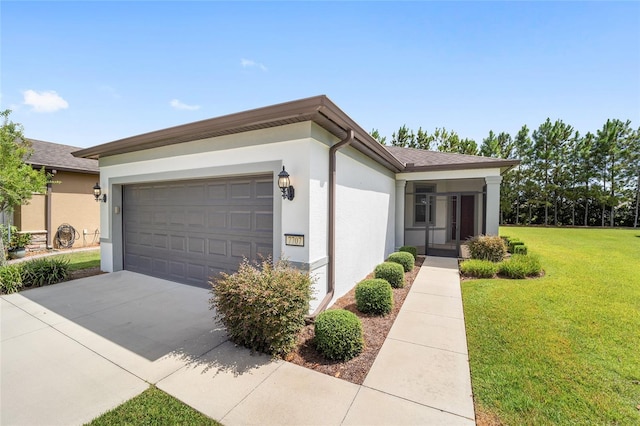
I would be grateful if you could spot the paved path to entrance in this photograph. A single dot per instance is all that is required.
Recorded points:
(72, 351)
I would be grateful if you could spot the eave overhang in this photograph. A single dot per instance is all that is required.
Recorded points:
(318, 109)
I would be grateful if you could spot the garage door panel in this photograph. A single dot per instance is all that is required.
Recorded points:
(264, 221)
(192, 230)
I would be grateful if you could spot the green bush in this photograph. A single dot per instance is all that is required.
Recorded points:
(338, 334)
(374, 296)
(263, 306)
(520, 266)
(520, 249)
(45, 271)
(392, 272)
(10, 278)
(478, 268)
(487, 247)
(410, 249)
(513, 244)
(406, 259)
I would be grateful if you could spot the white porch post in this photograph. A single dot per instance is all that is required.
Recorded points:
(493, 204)
(400, 200)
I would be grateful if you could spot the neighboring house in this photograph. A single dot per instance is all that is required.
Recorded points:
(68, 200)
(190, 201)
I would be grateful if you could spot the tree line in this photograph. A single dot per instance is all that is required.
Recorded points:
(564, 178)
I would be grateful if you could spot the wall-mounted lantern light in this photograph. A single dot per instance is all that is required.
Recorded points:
(97, 192)
(285, 185)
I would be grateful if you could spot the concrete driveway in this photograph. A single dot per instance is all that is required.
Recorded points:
(74, 350)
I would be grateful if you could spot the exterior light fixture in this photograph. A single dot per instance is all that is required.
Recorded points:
(97, 192)
(285, 185)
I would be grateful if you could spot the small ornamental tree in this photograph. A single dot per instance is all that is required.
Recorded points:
(18, 180)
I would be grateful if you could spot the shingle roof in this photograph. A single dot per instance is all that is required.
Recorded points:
(423, 160)
(56, 156)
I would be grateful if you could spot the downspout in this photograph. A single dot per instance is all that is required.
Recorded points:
(331, 284)
(48, 210)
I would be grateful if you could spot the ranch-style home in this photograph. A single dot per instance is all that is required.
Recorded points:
(299, 180)
(64, 215)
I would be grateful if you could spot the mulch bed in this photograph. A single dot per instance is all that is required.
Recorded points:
(84, 273)
(375, 330)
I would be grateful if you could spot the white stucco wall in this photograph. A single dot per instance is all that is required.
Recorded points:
(365, 217)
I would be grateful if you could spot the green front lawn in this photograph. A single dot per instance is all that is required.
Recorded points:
(153, 407)
(564, 348)
(82, 259)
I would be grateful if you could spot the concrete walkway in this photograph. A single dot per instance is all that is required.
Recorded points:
(80, 348)
(421, 375)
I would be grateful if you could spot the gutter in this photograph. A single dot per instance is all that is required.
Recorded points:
(331, 276)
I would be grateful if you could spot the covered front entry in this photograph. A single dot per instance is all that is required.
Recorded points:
(461, 223)
(188, 231)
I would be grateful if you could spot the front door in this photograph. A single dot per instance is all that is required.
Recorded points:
(467, 215)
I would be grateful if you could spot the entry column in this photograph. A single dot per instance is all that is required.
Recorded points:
(400, 200)
(493, 204)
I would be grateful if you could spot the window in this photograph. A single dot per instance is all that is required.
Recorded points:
(420, 205)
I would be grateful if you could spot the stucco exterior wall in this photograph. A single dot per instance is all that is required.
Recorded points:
(72, 202)
(365, 217)
(31, 216)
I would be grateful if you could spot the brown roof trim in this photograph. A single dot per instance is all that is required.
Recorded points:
(319, 109)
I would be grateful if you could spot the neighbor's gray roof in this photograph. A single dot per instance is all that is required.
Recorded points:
(319, 109)
(59, 157)
(423, 160)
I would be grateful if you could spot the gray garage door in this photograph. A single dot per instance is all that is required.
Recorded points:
(188, 231)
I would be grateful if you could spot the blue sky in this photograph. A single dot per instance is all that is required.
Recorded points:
(85, 73)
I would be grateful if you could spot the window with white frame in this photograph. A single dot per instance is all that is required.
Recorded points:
(422, 197)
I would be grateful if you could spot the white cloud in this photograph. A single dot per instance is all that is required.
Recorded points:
(48, 101)
(248, 63)
(180, 105)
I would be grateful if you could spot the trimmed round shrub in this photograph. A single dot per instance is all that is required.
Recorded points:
(513, 244)
(338, 334)
(487, 247)
(374, 296)
(406, 259)
(478, 268)
(410, 249)
(263, 307)
(520, 249)
(520, 266)
(392, 272)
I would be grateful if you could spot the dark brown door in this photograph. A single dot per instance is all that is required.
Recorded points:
(467, 214)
